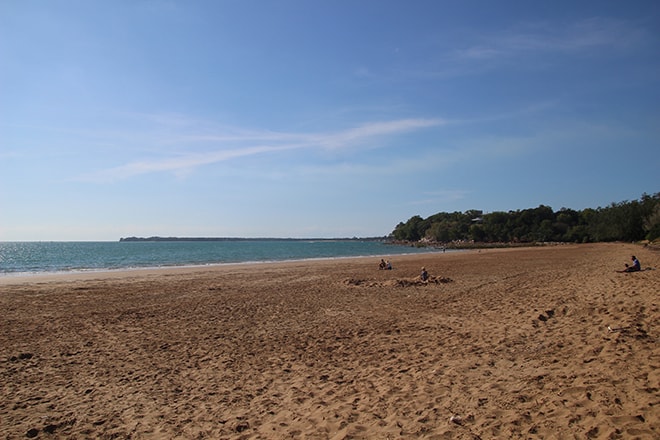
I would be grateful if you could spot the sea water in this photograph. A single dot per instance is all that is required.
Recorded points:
(42, 257)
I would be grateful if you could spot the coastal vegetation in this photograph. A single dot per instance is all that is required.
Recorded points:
(623, 221)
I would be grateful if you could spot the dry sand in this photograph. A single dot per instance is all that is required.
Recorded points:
(515, 345)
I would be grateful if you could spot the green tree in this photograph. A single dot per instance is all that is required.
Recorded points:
(412, 230)
(440, 232)
(629, 221)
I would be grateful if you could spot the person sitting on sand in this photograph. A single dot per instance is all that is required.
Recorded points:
(425, 275)
(388, 265)
(382, 264)
(636, 266)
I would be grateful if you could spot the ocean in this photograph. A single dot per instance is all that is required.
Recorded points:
(24, 258)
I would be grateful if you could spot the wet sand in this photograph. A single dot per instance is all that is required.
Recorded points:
(544, 342)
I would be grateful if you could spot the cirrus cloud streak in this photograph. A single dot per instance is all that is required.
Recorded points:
(236, 146)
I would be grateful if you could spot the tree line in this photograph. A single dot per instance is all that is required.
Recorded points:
(624, 221)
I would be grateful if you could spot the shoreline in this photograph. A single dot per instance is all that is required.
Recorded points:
(107, 260)
(22, 277)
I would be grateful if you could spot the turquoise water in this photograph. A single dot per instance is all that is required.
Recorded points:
(39, 257)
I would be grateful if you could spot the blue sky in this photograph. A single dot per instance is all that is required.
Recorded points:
(318, 118)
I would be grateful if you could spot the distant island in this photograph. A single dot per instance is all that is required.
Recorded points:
(130, 239)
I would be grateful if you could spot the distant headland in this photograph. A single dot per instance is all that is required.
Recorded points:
(129, 239)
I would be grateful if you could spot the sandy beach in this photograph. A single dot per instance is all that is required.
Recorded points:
(547, 343)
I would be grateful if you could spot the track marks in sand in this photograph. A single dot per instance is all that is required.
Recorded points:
(299, 353)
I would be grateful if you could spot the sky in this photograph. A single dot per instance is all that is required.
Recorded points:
(311, 119)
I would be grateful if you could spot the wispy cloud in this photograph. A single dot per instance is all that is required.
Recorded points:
(369, 131)
(524, 44)
(590, 34)
(240, 143)
(179, 165)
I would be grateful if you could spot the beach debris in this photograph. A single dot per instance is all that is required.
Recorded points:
(639, 332)
(400, 282)
(617, 329)
(418, 282)
(359, 282)
(459, 420)
(443, 280)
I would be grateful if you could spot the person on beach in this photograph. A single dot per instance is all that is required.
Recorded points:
(636, 266)
(382, 265)
(424, 275)
(388, 265)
